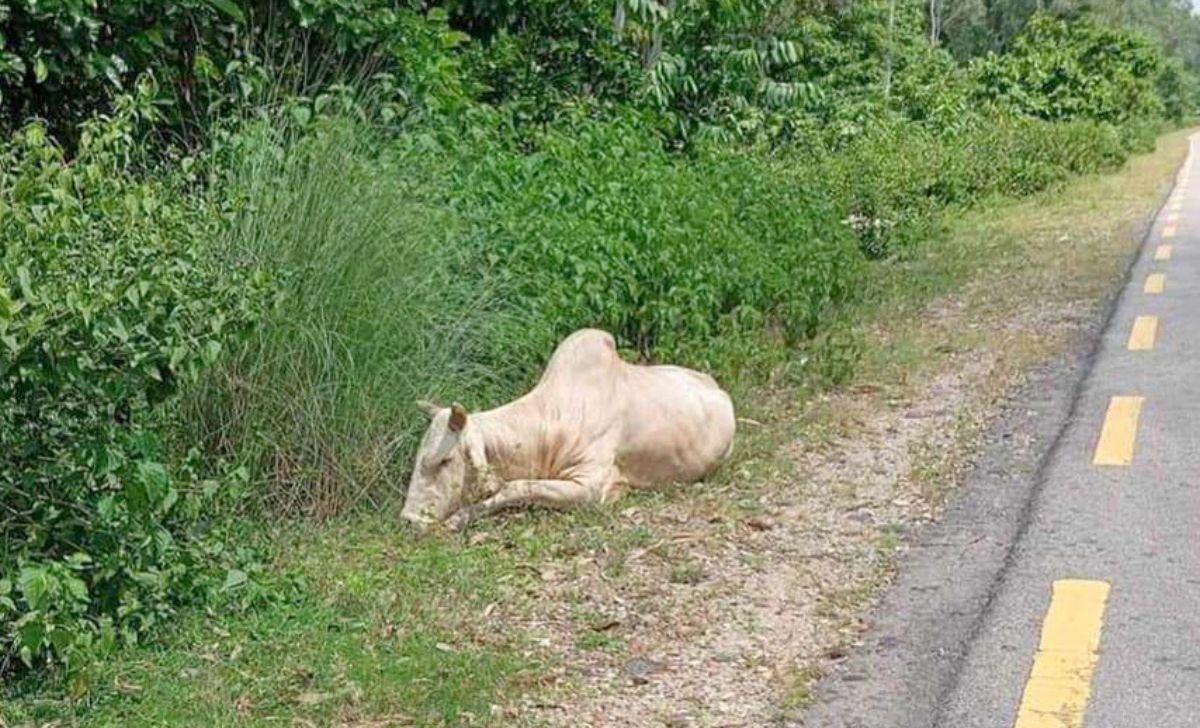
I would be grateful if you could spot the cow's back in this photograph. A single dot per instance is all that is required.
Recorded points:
(655, 424)
(584, 355)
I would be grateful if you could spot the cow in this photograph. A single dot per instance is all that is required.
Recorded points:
(592, 426)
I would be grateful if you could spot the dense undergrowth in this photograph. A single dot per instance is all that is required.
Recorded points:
(204, 323)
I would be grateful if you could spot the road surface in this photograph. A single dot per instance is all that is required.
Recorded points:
(1063, 587)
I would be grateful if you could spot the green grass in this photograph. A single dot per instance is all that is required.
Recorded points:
(376, 313)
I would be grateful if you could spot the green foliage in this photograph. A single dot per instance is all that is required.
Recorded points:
(1067, 70)
(894, 178)
(108, 304)
(601, 227)
(449, 265)
(537, 57)
(61, 60)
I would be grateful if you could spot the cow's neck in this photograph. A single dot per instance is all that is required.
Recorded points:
(509, 443)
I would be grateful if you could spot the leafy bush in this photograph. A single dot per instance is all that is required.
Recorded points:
(1059, 69)
(894, 178)
(601, 227)
(109, 302)
(62, 60)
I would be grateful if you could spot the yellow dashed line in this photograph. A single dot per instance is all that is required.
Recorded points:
(1120, 430)
(1060, 682)
(1141, 338)
(1162, 252)
(1169, 231)
(1155, 283)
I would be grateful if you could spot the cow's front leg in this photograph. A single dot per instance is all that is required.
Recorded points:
(549, 493)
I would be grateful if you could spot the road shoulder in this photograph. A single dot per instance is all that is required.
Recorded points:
(906, 665)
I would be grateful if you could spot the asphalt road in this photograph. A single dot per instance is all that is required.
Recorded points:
(1062, 589)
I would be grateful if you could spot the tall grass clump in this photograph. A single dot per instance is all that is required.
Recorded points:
(378, 307)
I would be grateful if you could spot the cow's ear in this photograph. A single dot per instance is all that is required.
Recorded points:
(429, 408)
(458, 417)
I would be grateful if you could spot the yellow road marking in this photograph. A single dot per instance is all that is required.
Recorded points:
(1162, 252)
(1169, 231)
(1176, 206)
(1141, 338)
(1119, 432)
(1172, 216)
(1155, 283)
(1060, 682)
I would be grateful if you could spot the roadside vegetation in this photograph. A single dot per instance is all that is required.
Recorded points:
(238, 240)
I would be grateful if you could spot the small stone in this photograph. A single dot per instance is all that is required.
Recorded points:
(760, 523)
(639, 669)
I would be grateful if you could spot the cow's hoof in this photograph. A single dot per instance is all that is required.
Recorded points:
(458, 522)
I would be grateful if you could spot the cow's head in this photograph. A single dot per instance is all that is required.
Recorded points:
(442, 468)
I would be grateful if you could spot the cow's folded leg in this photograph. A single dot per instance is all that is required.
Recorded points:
(550, 493)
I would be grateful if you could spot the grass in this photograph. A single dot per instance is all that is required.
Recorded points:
(377, 313)
(392, 630)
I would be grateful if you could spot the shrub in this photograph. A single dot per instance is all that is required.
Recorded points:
(63, 60)
(895, 177)
(1061, 70)
(109, 302)
(601, 227)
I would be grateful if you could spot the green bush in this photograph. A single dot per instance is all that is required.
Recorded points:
(1077, 69)
(895, 177)
(109, 302)
(602, 227)
(63, 60)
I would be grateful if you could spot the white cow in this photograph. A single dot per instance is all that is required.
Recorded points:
(592, 425)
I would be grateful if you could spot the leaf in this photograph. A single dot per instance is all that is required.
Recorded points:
(24, 280)
(40, 70)
(35, 585)
(33, 634)
(155, 481)
(234, 579)
(230, 8)
(301, 114)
